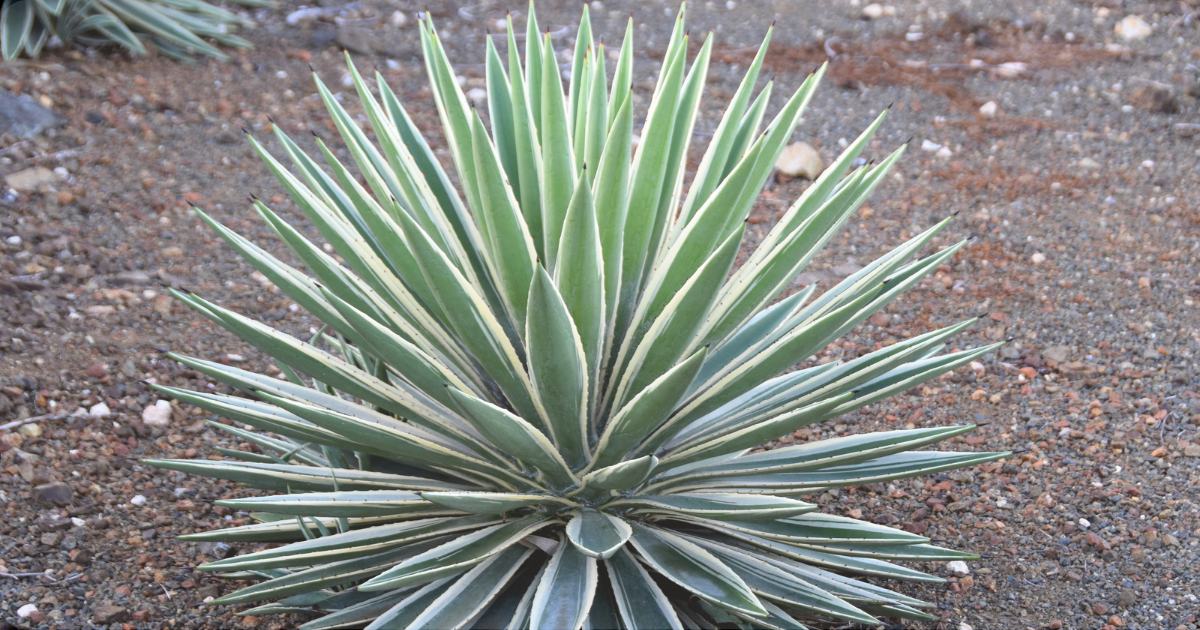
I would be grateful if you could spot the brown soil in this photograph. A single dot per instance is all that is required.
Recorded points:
(1085, 213)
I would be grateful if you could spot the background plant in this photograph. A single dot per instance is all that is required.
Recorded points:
(177, 28)
(537, 403)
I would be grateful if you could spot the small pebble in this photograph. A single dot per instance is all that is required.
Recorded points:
(138, 500)
(158, 414)
(477, 95)
(1038, 258)
(799, 159)
(873, 11)
(958, 567)
(988, 109)
(1133, 28)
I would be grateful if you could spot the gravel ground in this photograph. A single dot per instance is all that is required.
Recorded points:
(1081, 188)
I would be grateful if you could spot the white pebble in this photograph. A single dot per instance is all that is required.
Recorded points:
(78, 522)
(988, 109)
(1083, 522)
(25, 611)
(944, 152)
(1038, 258)
(1010, 69)
(14, 240)
(477, 95)
(398, 19)
(158, 414)
(873, 11)
(958, 567)
(926, 145)
(1133, 28)
(139, 500)
(100, 410)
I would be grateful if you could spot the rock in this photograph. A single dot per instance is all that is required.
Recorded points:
(100, 410)
(106, 614)
(1191, 450)
(218, 550)
(30, 179)
(173, 251)
(873, 11)
(162, 305)
(799, 160)
(1010, 69)
(30, 430)
(23, 117)
(158, 414)
(1127, 598)
(1132, 28)
(138, 500)
(958, 567)
(1060, 354)
(398, 19)
(1089, 164)
(1155, 98)
(26, 611)
(988, 109)
(130, 278)
(356, 40)
(51, 539)
(55, 492)
(930, 146)
(1038, 258)
(367, 41)
(477, 96)
(944, 153)
(96, 370)
(226, 136)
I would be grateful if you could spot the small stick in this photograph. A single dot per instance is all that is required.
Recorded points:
(49, 416)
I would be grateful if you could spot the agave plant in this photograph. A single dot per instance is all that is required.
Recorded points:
(178, 28)
(539, 401)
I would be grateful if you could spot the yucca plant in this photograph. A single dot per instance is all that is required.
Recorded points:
(178, 28)
(539, 403)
